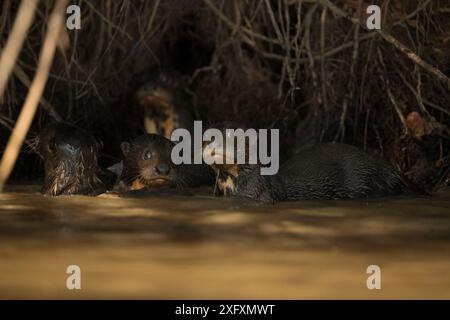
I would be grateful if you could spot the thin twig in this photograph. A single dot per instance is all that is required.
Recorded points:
(22, 76)
(37, 87)
(24, 18)
(389, 38)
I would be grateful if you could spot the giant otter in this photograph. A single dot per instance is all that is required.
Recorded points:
(70, 162)
(148, 163)
(324, 171)
(161, 94)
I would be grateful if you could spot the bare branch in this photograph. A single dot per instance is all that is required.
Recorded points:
(34, 95)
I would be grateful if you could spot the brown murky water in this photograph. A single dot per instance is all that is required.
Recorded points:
(177, 245)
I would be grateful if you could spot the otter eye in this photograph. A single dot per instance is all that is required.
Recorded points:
(147, 155)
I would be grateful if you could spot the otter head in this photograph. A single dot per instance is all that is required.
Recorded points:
(218, 155)
(156, 95)
(147, 162)
(70, 161)
(223, 165)
(223, 157)
(238, 174)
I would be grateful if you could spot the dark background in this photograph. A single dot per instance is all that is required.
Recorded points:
(294, 65)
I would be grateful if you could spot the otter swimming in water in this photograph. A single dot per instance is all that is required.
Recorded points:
(162, 96)
(70, 162)
(148, 163)
(324, 171)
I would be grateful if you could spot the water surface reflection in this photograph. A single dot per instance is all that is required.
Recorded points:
(169, 244)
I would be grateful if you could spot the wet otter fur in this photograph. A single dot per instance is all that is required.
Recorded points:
(70, 162)
(148, 164)
(324, 171)
(162, 96)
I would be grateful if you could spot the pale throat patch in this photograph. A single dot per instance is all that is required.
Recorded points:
(161, 99)
(227, 186)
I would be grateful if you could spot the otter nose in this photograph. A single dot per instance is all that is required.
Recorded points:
(162, 168)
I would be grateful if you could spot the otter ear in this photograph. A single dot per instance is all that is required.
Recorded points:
(125, 146)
